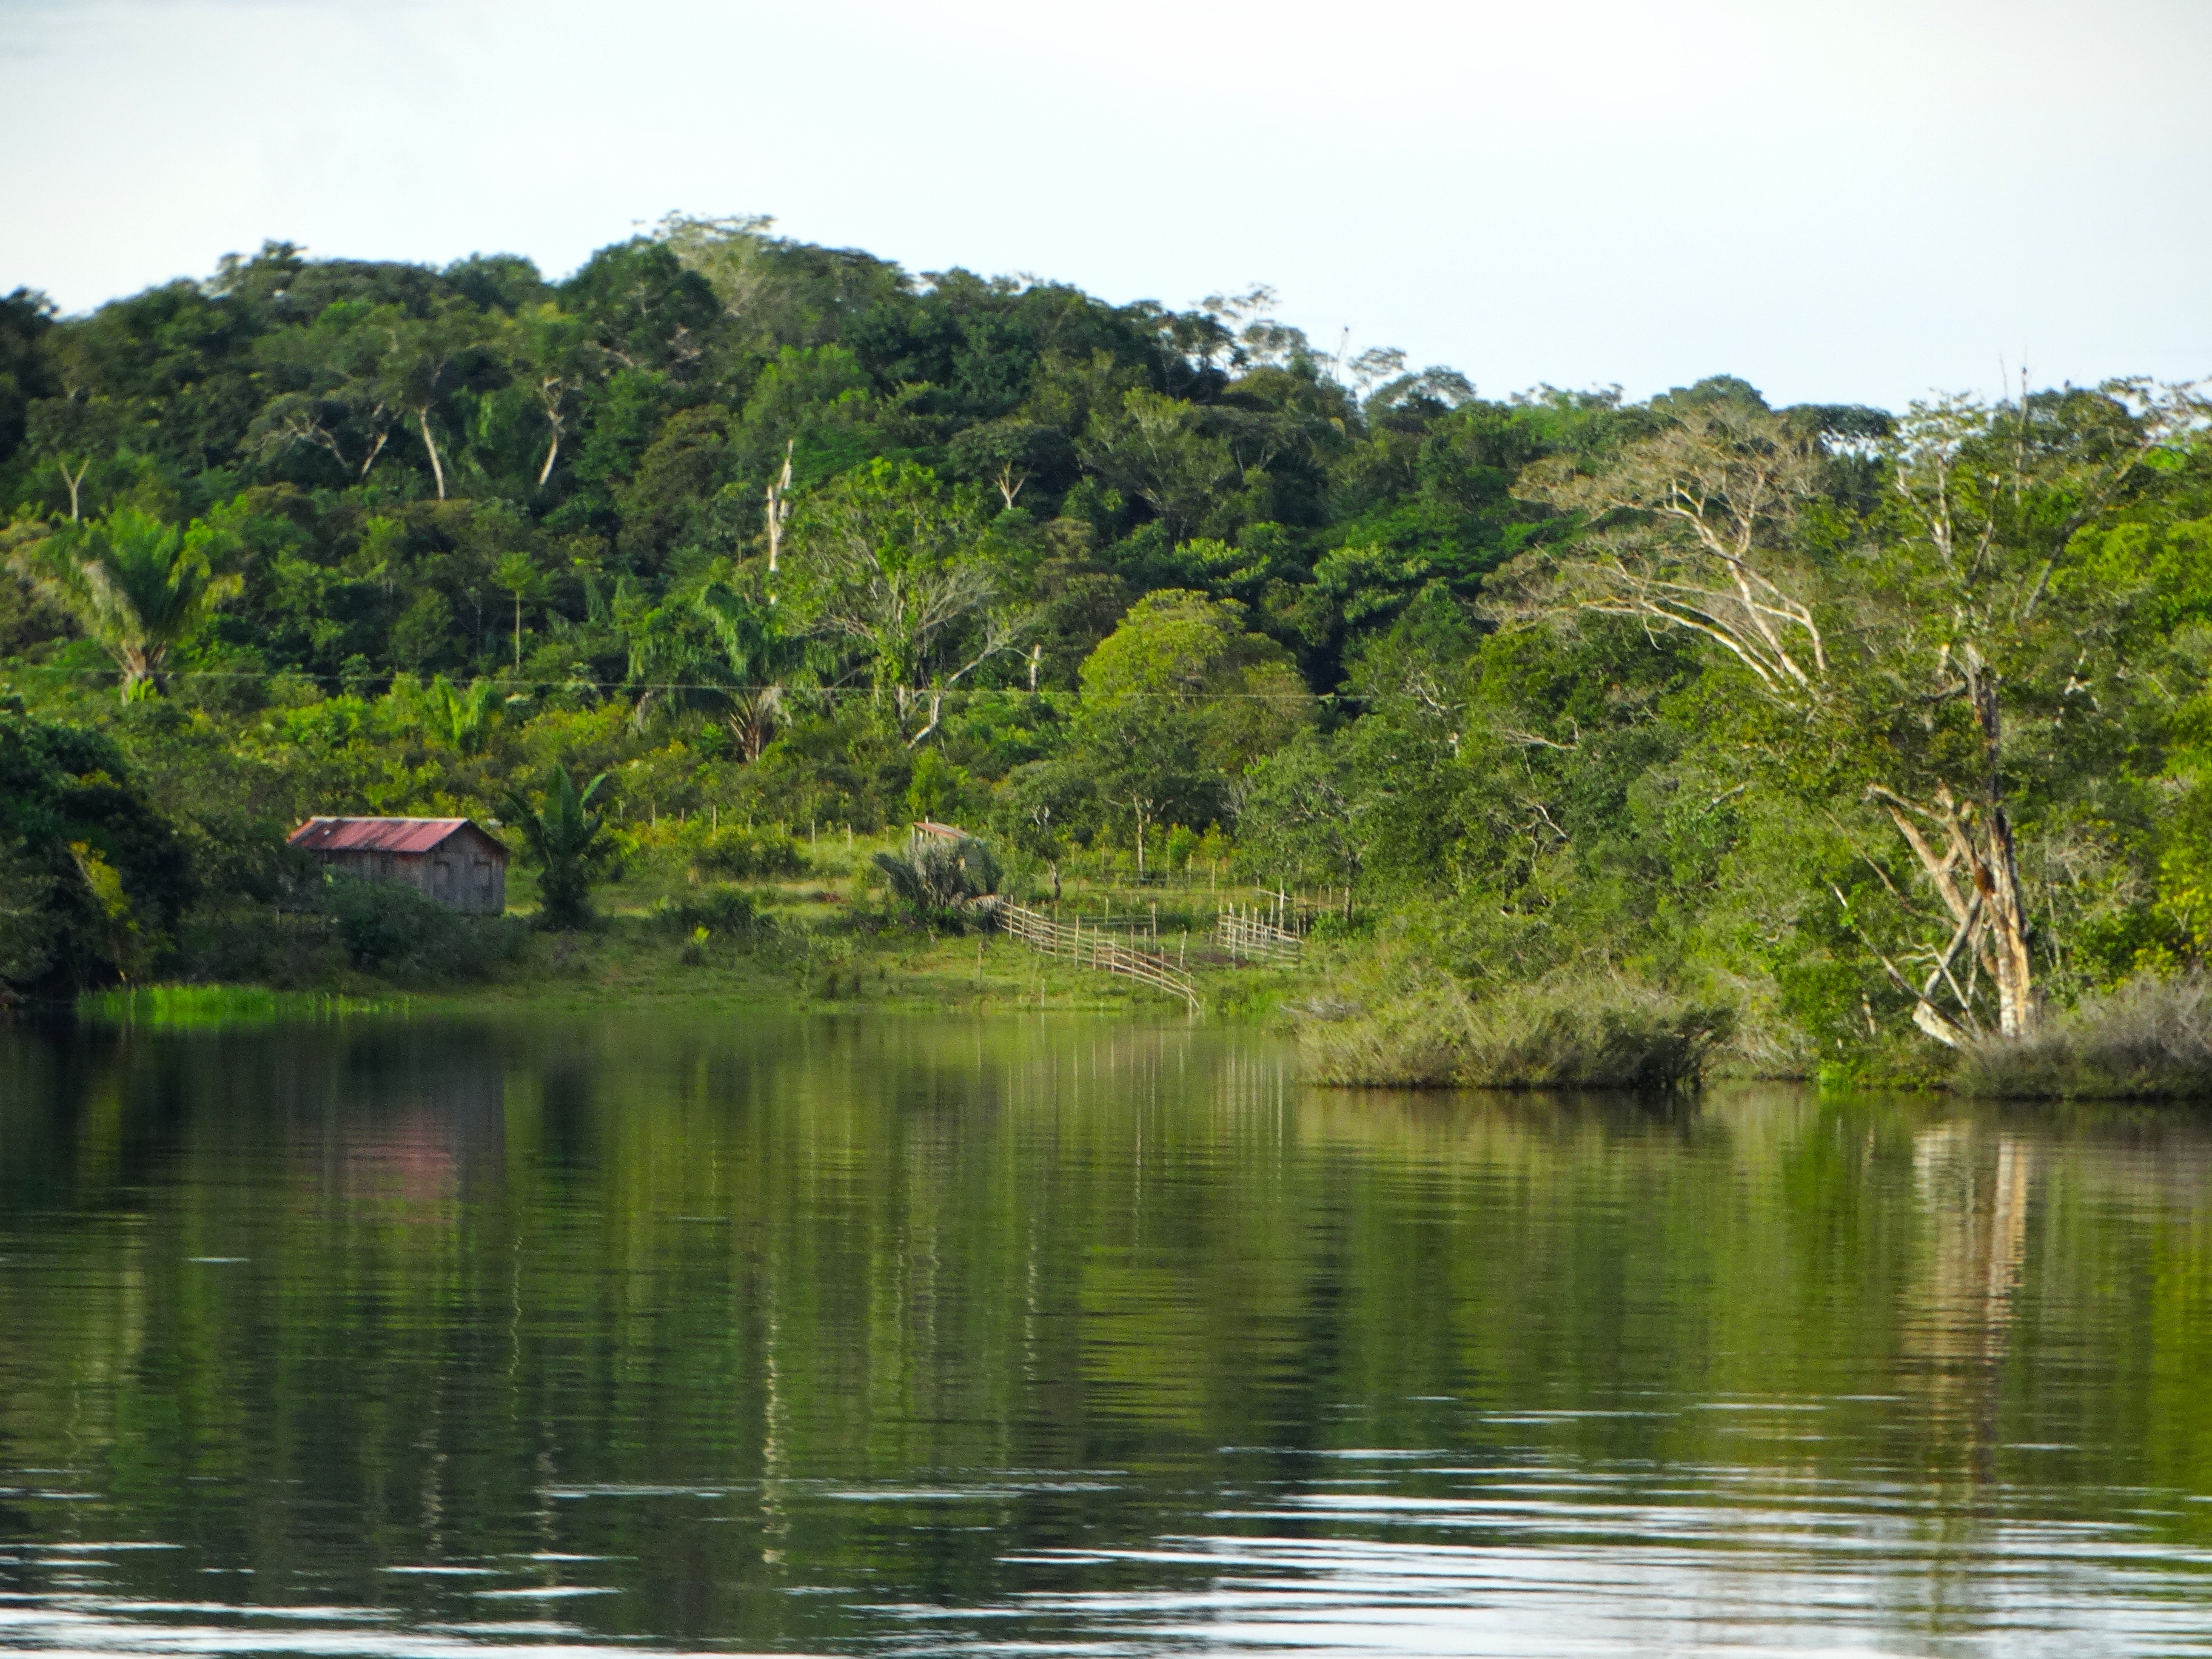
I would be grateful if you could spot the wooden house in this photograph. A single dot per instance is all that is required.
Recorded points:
(450, 858)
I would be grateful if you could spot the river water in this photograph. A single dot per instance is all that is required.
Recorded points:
(887, 1335)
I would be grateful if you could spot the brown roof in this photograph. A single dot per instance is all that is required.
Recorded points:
(378, 834)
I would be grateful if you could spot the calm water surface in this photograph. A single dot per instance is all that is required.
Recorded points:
(890, 1335)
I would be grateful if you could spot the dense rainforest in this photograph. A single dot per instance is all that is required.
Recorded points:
(1886, 732)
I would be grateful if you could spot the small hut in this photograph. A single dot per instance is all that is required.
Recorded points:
(450, 858)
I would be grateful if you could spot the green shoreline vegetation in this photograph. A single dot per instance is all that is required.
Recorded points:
(1609, 744)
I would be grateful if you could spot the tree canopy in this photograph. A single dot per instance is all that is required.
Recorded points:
(1890, 727)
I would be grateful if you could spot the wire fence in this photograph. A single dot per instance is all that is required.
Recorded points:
(1094, 947)
(1249, 932)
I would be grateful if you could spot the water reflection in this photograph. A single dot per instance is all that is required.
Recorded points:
(835, 1335)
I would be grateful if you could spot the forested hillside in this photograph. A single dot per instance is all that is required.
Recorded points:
(1882, 729)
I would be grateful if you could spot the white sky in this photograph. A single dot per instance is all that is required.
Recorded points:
(1842, 202)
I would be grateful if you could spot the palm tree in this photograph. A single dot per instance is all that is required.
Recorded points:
(461, 718)
(761, 659)
(740, 667)
(939, 881)
(571, 845)
(519, 576)
(138, 586)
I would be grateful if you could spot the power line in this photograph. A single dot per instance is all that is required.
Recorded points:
(640, 687)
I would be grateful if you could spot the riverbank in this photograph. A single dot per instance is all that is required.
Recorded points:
(697, 919)
(820, 932)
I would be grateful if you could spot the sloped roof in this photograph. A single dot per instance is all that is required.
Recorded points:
(379, 835)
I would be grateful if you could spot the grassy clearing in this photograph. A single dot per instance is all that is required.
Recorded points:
(736, 917)
(1589, 1037)
(2150, 1039)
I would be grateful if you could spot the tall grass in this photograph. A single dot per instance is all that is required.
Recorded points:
(211, 1008)
(1606, 1037)
(2150, 1038)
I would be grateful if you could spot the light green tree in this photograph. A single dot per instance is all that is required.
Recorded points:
(1176, 702)
(461, 718)
(759, 658)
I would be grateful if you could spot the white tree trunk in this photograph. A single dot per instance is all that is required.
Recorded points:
(437, 466)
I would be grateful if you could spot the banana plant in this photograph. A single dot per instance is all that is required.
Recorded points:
(572, 845)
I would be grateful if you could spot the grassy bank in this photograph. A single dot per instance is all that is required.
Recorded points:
(1603, 1036)
(730, 916)
(2150, 1039)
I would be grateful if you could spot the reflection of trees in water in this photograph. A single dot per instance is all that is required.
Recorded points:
(679, 1252)
(1974, 1189)
(1956, 1328)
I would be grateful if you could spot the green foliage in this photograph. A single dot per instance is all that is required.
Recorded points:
(937, 879)
(744, 853)
(30, 920)
(92, 876)
(1177, 701)
(697, 850)
(401, 934)
(141, 588)
(939, 790)
(572, 846)
(1304, 817)
(718, 908)
(457, 717)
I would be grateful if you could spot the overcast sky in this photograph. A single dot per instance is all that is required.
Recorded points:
(1840, 200)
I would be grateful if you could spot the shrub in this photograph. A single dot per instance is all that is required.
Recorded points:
(92, 875)
(740, 854)
(689, 849)
(1610, 1036)
(397, 931)
(249, 944)
(2151, 1037)
(722, 909)
(938, 880)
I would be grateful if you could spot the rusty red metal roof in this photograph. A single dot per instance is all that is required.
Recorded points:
(378, 834)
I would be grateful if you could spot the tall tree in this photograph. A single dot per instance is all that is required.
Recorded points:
(1915, 665)
(907, 576)
(1176, 702)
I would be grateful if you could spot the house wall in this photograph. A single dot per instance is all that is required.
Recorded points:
(463, 871)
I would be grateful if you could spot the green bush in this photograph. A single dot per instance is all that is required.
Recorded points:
(721, 910)
(400, 932)
(92, 876)
(740, 854)
(688, 850)
(252, 944)
(1606, 1037)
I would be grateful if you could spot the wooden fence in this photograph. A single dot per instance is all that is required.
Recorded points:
(1095, 948)
(1251, 933)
